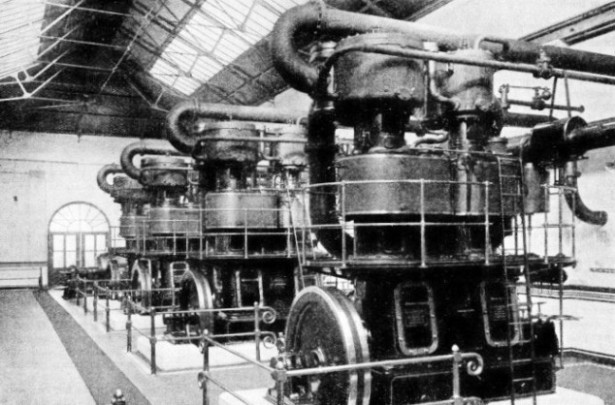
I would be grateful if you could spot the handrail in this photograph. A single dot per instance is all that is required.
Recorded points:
(280, 374)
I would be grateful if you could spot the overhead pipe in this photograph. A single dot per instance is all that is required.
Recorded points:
(141, 148)
(183, 140)
(311, 17)
(104, 172)
(563, 142)
(569, 175)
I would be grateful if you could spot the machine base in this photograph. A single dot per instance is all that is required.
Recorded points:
(562, 396)
(170, 357)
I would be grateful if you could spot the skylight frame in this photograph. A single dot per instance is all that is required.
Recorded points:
(218, 33)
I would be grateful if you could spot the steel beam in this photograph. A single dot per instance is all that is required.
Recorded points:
(585, 26)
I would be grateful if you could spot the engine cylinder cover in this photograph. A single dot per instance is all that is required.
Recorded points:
(234, 148)
(289, 149)
(164, 171)
(470, 86)
(171, 220)
(227, 210)
(364, 81)
(127, 189)
(395, 185)
(128, 225)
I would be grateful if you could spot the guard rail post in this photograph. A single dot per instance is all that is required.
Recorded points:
(95, 302)
(257, 330)
(203, 374)
(152, 340)
(129, 329)
(85, 297)
(107, 311)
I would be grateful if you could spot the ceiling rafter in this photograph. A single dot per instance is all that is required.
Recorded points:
(585, 26)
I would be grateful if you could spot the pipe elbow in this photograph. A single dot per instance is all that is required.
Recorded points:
(574, 201)
(103, 173)
(177, 134)
(294, 70)
(141, 148)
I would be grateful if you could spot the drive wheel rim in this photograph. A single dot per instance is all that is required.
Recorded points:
(141, 283)
(195, 293)
(324, 329)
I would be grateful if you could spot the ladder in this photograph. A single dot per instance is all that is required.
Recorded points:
(518, 200)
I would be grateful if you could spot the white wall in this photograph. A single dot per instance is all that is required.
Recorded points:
(39, 173)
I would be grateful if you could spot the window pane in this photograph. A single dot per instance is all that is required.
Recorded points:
(101, 243)
(58, 243)
(90, 259)
(89, 242)
(71, 258)
(71, 242)
(58, 260)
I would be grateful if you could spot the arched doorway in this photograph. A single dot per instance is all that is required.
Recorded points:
(78, 233)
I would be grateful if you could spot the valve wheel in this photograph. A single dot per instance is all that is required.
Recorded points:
(324, 329)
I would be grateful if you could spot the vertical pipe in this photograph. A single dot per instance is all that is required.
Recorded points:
(343, 235)
(487, 232)
(423, 230)
(152, 340)
(546, 225)
(238, 287)
(245, 233)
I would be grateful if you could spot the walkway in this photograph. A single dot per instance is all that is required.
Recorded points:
(36, 369)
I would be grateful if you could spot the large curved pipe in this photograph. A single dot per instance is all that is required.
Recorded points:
(321, 151)
(104, 172)
(141, 148)
(312, 17)
(181, 138)
(573, 199)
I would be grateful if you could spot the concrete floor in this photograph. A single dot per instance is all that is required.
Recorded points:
(31, 356)
(35, 368)
(164, 388)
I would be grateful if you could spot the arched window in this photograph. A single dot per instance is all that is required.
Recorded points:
(78, 233)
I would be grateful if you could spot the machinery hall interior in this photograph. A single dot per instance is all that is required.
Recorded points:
(356, 202)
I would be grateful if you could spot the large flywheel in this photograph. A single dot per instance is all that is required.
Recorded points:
(195, 293)
(141, 282)
(324, 329)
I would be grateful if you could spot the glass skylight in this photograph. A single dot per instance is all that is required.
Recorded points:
(216, 35)
(20, 26)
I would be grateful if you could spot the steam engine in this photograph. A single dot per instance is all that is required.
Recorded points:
(431, 227)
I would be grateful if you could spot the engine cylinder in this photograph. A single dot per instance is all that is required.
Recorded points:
(234, 148)
(366, 81)
(231, 210)
(164, 171)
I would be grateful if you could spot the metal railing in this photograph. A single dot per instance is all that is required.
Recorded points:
(485, 212)
(260, 313)
(93, 288)
(280, 373)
